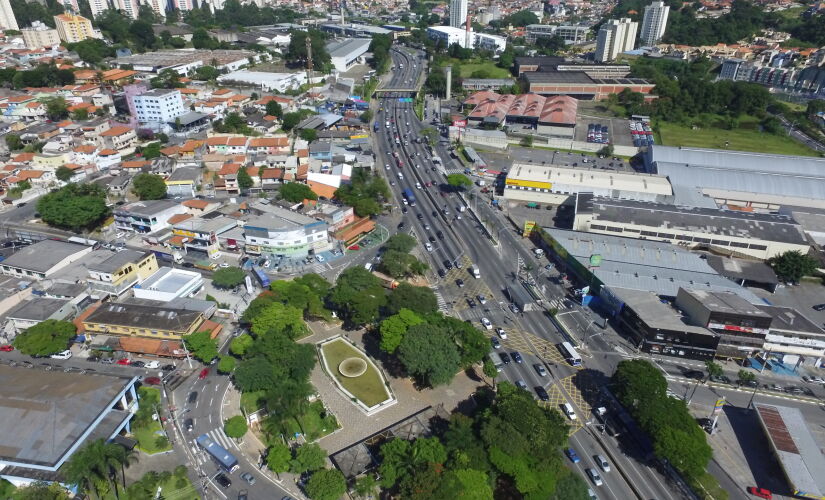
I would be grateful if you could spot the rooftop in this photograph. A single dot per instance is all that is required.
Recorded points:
(725, 302)
(591, 177)
(169, 280)
(43, 255)
(117, 260)
(160, 318)
(655, 313)
(147, 208)
(36, 309)
(348, 47)
(788, 319)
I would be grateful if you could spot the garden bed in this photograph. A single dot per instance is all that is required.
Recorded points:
(369, 389)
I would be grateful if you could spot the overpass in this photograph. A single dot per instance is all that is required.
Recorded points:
(410, 90)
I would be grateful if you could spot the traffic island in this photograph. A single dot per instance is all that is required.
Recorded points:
(355, 375)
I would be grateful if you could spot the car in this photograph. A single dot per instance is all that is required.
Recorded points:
(6, 348)
(152, 365)
(448, 264)
(695, 374)
(471, 302)
(193, 396)
(760, 492)
(120, 234)
(819, 307)
(517, 357)
(137, 364)
(93, 359)
(419, 216)
(203, 374)
(404, 210)
(540, 369)
(496, 344)
(169, 368)
(501, 333)
(188, 424)
(188, 265)
(521, 385)
(722, 379)
(107, 361)
(243, 495)
(602, 462)
(400, 226)
(572, 455)
(426, 227)
(222, 480)
(151, 380)
(594, 476)
(818, 380)
(249, 478)
(486, 324)
(62, 355)
(431, 239)
(439, 234)
(505, 358)
(481, 299)
(460, 283)
(223, 265)
(542, 393)
(441, 273)
(513, 308)
(428, 246)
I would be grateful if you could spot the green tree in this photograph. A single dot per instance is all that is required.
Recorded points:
(281, 319)
(290, 120)
(228, 277)
(278, 458)
(466, 483)
(74, 207)
(202, 346)
(151, 151)
(490, 370)
(56, 108)
(638, 382)
(394, 327)
(45, 338)
(240, 344)
(429, 354)
(395, 461)
(309, 457)
(397, 264)
(81, 114)
(64, 173)
(308, 134)
(793, 265)
(13, 142)
(235, 427)
(400, 242)
(571, 487)
(207, 73)
(365, 486)
(244, 180)
(40, 490)
(714, 369)
(326, 484)
(202, 40)
(366, 116)
(521, 18)
(226, 364)
(459, 181)
(419, 299)
(256, 374)
(149, 186)
(745, 376)
(296, 192)
(274, 108)
(358, 296)
(167, 79)
(296, 53)
(96, 463)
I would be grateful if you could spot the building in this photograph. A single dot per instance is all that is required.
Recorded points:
(486, 83)
(137, 320)
(183, 182)
(158, 108)
(615, 36)
(120, 272)
(167, 284)
(793, 338)
(658, 328)
(654, 23)
(76, 408)
(554, 116)
(269, 82)
(119, 137)
(39, 35)
(557, 185)
(742, 178)
(73, 28)
(580, 85)
(43, 259)
(129, 8)
(544, 64)
(725, 232)
(146, 216)
(742, 326)
(730, 69)
(449, 35)
(201, 235)
(353, 29)
(458, 13)
(98, 7)
(7, 19)
(283, 232)
(570, 34)
(346, 53)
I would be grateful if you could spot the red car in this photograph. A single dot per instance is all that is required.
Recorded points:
(123, 361)
(6, 348)
(152, 380)
(203, 373)
(760, 492)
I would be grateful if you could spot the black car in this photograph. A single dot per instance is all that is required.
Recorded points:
(403, 210)
(517, 357)
(819, 307)
(435, 214)
(193, 396)
(460, 283)
(188, 265)
(188, 424)
(137, 364)
(401, 225)
(93, 359)
(440, 235)
(542, 394)
(505, 358)
(471, 302)
(222, 480)
(419, 216)
(695, 374)
(448, 264)
(441, 272)
(432, 239)
(169, 368)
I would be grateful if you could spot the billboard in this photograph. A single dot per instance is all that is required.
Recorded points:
(530, 184)
(460, 123)
(529, 225)
(737, 328)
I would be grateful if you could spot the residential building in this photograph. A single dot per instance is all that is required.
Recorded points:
(615, 36)
(134, 320)
(158, 108)
(38, 309)
(43, 259)
(449, 35)
(39, 35)
(570, 34)
(7, 19)
(128, 7)
(121, 271)
(98, 7)
(119, 137)
(167, 284)
(75, 407)
(346, 53)
(73, 28)
(146, 216)
(458, 13)
(283, 232)
(184, 181)
(654, 23)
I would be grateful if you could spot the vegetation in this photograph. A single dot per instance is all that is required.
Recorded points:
(25, 12)
(314, 423)
(792, 265)
(233, 124)
(326, 484)
(235, 427)
(13, 142)
(74, 207)
(305, 294)
(296, 192)
(368, 388)
(742, 138)
(149, 187)
(357, 296)
(228, 277)
(226, 364)
(380, 48)
(45, 338)
(459, 181)
(274, 108)
(244, 179)
(98, 467)
(296, 53)
(365, 193)
(201, 346)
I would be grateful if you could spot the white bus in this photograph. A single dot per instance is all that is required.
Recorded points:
(570, 354)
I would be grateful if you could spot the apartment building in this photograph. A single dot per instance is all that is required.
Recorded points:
(72, 28)
(120, 272)
(7, 19)
(654, 23)
(615, 36)
(39, 35)
(158, 108)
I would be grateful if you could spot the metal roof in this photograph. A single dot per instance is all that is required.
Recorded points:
(352, 47)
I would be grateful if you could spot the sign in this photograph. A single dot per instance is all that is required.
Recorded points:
(529, 184)
(719, 404)
(529, 225)
(460, 123)
(737, 328)
(595, 260)
(359, 136)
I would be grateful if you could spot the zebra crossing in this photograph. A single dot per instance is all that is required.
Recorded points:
(218, 436)
(442, 304)
(557, 304)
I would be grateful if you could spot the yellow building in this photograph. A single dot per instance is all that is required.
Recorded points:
(72, 28)
(121, 272)
(134, 320)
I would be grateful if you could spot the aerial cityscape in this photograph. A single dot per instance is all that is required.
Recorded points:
(412, 249)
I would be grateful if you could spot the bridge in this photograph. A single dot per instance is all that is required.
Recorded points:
(398, 90)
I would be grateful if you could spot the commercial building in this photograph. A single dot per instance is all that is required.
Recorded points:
(283, 232)
(580, 85)
(458, 13)
(39, 35)
(200, 236)
(726, 232)
(147, 216)
(158, 108)
(354, 30)
(449, 35)
(73, 28)
(793, 338)
(7, 19)
(557, 185)
(43, 259)
(270, 82)
(742, 178)
(168, 284)
(554, 116)
(654, 22)
(486, 83)
(545, 64)
(614, 37)
(121, 271)
(185, 60)
(570, 34)
(134, 320)
(346, 53)
(46, 416)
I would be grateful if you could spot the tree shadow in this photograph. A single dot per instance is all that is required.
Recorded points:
(389, 363)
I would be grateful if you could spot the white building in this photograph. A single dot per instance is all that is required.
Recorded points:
(158, 107)
(279, 82)
(450, 35)
(654, 23)
(43, 259)
(346, 53)
(283, 232)
(129, 7)
(40, 35)
(98, 6)
(168, 283)
(570, 34)
(458, 13)
(7, 19)
(615, 36)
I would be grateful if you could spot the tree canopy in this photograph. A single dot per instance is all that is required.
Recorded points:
(364, 193)
(295, 192)
(793, 265)
(74, 206)
(296, 53)
(149, 186)
(228, 277)
(429, 354)
(45, 338)
(201, 346)
(235, 427)
(358, 296)
(326, 484)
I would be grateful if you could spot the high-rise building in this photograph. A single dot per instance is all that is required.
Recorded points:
(7, 19)
(129, 7)
(158, 108)
(615, 36)
(40, 35)
(98, 7)
(458, 13)
(654, 22)
(72, 28)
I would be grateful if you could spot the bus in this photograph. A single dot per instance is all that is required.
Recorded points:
(226, 460)
(570, 354)
(262, 277)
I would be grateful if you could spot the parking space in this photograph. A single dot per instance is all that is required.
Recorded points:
(618, 129)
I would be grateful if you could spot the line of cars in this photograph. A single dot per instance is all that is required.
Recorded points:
(641, 133)
(598, 133)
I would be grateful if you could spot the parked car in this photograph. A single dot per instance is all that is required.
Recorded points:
(486, 323)
(152, 380)
(495, 342)
(169, 368)
(152, 365)
(222, 480)
(501, 333)
(760, 492)
(137, 364)
(695, 374)
(6, 348)
(62, 355)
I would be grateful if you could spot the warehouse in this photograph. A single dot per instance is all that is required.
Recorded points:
(344, 54)
(580, 85)
(554, 116)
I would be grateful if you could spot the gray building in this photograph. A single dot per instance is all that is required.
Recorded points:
(43, 259)
(346, 53)
(570, 34)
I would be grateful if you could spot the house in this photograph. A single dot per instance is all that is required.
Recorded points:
(133, 320)
(227, 178)
(121, 271)
(107, 159)
(184, 182)
(146, 216)
(269, 145)
(271, 178)
(119, 137)
(43, 259)
(200, 207)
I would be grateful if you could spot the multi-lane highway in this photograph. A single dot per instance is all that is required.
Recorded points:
(434, 219)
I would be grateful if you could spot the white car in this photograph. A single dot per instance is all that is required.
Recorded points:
(120, 234)
(223, 265)
(387, 166)
(152, 365)
(486, 323)
(428, 246)
(595, 477)
(602, 463)
(320, 258)
(482, 299)
(62, 355)
(501, 333)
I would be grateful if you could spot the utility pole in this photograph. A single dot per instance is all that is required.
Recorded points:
(309, 59)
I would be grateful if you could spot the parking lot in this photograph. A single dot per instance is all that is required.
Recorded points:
(618, 128)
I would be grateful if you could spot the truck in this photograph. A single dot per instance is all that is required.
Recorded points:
(410, 196)
(221, 455)
(476, 272)
(496, 359)
(175, 257)
(206, 265)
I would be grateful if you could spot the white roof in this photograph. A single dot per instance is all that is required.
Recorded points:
(593, 178)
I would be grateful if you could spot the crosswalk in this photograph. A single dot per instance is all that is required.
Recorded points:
(218, 436)
(442, 304)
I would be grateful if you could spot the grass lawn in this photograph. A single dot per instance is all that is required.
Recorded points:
(252, 401)
(316, 423)
(147, 438)
(739, 140)
(369, 387)
(710, 486)
(493, 71)
(173, 488)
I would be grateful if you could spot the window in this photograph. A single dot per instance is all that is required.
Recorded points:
(758, 247)
(720, 242)
(648, 233)
(667, 235)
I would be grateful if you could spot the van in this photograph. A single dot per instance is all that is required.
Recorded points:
(62, 355)
(368, 266)
(476, 272)
(568, 410)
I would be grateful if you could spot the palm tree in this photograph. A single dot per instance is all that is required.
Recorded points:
(80, 470)
(127, 458)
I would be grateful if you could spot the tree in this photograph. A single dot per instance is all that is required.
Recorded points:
(274, 108)
(81, 114)
(714, 369)
(606, 150)
(429, 354)
(793, 265)
(95, 463)
(167, 79)
(64, 173)
(467, 483)
(571, 487)
(290, 120)
(240, 344)
(226, 364)
(326, 484)
(56, 108)
(394, 327)
(202, 40)
(255, 374)
(207, 73)
(202, 346)
(151, 151)
(149, 186)
(296, 192)
(400, 242)
(40, 490)
(521, 18)
(358, 296)
(490, 370)
(638, 382)
(745, 376)
(397, 264)
(296, 53)
(365, 486)
(419, 299)
(308, 134)
(278, 318)
(235, 427)
(228, 277)
(458, 181)
(278, 458)
(45, 338)
(244, 180)
(395, 461)
(13, 142)
(366, 116)
(309, 457)
(75, 207)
